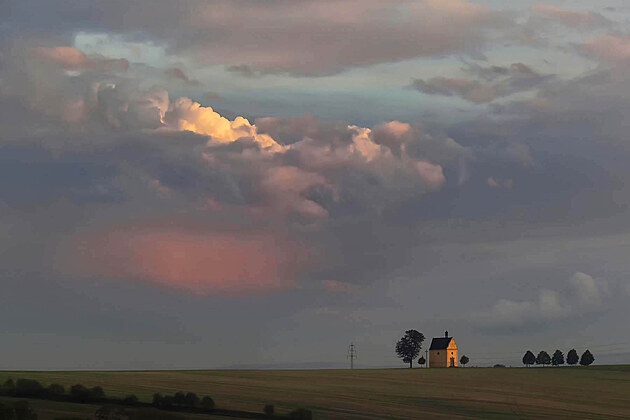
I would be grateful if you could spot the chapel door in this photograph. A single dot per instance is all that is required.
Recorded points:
(452, 362)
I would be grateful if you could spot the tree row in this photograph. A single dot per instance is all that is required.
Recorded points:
(557, 359)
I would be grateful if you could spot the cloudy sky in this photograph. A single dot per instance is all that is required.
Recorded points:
(199, 184)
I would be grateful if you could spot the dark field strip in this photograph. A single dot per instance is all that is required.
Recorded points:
(595, 392)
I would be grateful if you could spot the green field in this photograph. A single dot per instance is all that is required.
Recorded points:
(596, 392)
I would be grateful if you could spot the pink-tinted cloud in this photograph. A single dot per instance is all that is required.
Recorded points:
(431, 174)
(286, 185)
(68, 57)
(611, 48)
(204, 263)
(72, 58)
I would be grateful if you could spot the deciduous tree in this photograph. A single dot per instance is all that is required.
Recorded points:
(587, 358)
(529, 358)
(543, 358)
(572, 357)
(408, 347)
(558, 358)
(464, 360)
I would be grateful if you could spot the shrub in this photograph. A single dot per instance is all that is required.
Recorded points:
(153, 414)
(207, 403)
(179, 398)
(28, 388)
(8, 386)
(130, 400)
(55, 390)
(6, 412)
(19, 410)
(157, 399)
(192, 400)
(499, 365)
(97, 393)
(301, 414)
(269, 410)
(111, 412)
(23, 411)
(71, 418)
(79, 393)
(167, 402)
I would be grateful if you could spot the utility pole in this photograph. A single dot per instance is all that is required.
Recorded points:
(352, 354)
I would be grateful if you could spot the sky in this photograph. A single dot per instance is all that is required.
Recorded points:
(251, 183)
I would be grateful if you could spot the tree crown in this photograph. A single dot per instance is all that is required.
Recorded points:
(587, 358)
(557, 358)
(408, 347)
(543, 358)
(529, 358)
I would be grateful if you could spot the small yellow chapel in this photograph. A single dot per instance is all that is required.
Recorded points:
(443, 352)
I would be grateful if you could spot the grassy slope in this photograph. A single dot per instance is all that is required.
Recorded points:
(594, 392)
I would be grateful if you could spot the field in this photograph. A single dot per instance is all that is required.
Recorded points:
(596, 392)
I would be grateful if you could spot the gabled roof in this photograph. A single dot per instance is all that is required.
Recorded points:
(440, 343)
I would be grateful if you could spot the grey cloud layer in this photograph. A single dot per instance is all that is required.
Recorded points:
(495, 82)
(393, 215)
(304, 37)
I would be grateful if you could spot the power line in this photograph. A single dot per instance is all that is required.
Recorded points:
(352, 354)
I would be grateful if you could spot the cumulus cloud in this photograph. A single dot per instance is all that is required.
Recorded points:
(286, 186)
(583, 295)
(184, 114)
(165, 156)
(589, 292)
(496, 82)
(301, 166)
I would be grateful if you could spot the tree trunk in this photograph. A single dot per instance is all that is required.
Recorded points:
(411, 364)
